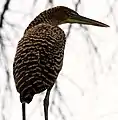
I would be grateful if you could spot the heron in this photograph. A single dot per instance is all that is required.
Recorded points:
(40, 52)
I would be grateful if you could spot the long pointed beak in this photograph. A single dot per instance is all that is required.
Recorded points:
(83, 20)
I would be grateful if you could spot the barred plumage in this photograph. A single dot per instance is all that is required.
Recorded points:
(39, 55)
(38, 60)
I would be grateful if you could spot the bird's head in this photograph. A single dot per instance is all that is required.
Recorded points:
(60, 15)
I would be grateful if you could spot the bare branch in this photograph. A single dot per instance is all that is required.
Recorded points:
(3, 13)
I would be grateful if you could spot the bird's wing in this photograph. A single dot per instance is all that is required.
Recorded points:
(27, 68)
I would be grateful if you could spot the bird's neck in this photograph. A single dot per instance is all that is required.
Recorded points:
(41, 18)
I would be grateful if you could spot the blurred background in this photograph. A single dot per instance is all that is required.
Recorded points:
(87, 86)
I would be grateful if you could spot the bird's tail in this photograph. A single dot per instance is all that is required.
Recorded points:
(26, 98)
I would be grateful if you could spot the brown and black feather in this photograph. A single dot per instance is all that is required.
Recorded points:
(38, 60)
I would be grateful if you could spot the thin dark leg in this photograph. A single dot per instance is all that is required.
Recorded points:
(46, 103)
(23, 111)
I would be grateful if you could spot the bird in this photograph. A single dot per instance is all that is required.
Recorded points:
(40, 52)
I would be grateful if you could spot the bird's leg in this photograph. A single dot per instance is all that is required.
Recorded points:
(23, 111)
(46, 103)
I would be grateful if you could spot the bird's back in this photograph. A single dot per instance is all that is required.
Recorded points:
(38, 60)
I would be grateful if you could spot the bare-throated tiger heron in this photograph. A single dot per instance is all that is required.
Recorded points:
(39, 56)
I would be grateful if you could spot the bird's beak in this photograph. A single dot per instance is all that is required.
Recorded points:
(83, 20)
